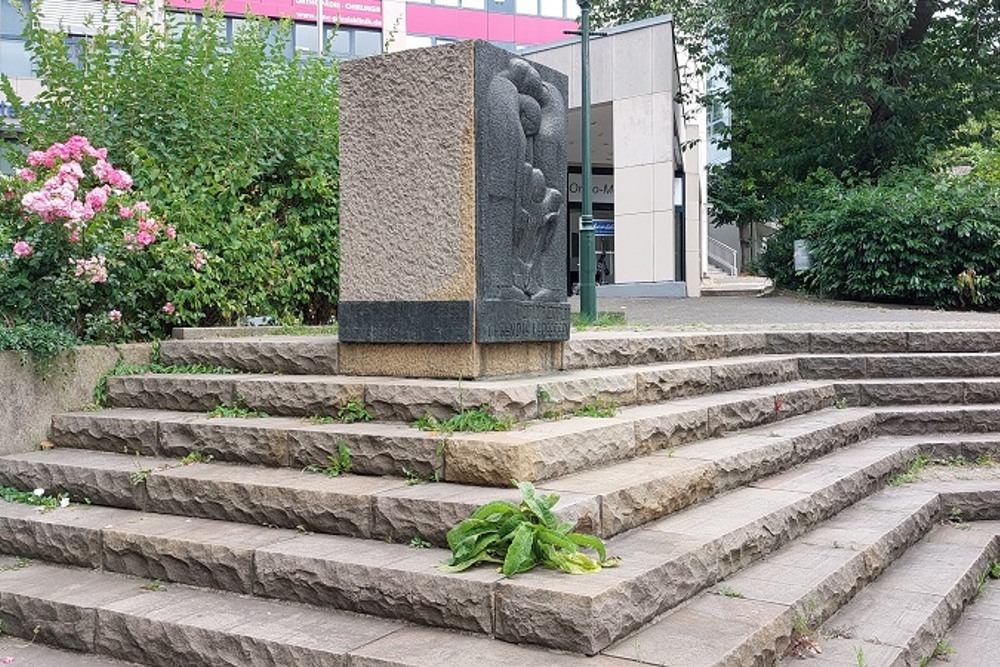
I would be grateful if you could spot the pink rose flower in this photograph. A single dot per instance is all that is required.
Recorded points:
(171, 233)
(26, 175)
(22, 249)
(125, 212)
(169, 308)
(115, 316)
(144, 238)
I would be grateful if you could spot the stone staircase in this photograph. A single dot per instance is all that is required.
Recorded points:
(744, 479)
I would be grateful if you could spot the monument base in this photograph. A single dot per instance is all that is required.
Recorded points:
(449, 361)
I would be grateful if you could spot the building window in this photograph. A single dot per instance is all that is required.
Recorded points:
(15, 60)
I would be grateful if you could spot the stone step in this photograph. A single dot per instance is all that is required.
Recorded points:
(666, 561)
(605, 501)
(305, 355)
(773, 608)
(899, 365)
(975, 640)
(111, 614)
(18, 652)
(597, 349)
(409, 399)
(353, 505)
(900, 617)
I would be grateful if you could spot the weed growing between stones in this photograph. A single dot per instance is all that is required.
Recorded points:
(125, 368)
(603, 321)
(599, 407)
(841, 403)
(417, 542)
(912, 472)
(413, 477)
(995, 569)
(354, 410)
(196, 456)
(37, 497)
(154, 586)
(238, 409)
(18, 564)
(941, 651)
(859, 657)
(519, 537)
(728, 592)
(335, 465)
(473, 420)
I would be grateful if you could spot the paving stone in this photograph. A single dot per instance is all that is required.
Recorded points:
(306, 355)
(199, 552)
(61, 602)
(388, 580)
(754, 372)
(69, 535)
(406, 400)
(704, 633)
(429, 511)
(98, 477)
(857, 341)
(252, 440)
(958, 340)
(376, 448)
(191, 627)
(841, 367)
(190, 393)
(120, 430)
(420, 647)
(542, 450)
(636, 492)
(274, 497)
(578, 389)
(298, 395)
(662, 383)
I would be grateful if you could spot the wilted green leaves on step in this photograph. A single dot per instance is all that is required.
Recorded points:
(519, 537)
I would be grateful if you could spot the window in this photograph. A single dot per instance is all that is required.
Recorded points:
(338, 41)
(553, 8)
(367, 42)
(526, 6)
(305, 36)
(15, 60)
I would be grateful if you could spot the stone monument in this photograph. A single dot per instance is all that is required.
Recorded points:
(453, 214)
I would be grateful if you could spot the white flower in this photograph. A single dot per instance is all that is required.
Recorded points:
(39, 492)
(64, 501)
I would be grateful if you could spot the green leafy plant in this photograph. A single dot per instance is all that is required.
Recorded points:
(729, 592)
(912, 472)
(520, 537)
(841, 403)
(140, 476)
(38, 344)
(994, 569)
(36, 497)
(335, 465)
(196, 456)
(238, 409)
(321, 419)
(475, 420)
(354, 411)
(154, 586)
(598, 407)
(859, 657)
(417, 542)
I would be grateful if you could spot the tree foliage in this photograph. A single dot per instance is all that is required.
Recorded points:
(854, 88)
(235, 143)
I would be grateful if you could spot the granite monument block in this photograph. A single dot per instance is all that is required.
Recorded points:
(453, 213)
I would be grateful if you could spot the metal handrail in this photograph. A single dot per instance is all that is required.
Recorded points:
(723, 256)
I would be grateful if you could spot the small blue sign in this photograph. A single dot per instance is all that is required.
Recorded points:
(604, 227)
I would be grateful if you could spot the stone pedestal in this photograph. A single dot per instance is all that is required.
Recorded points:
(453, 217)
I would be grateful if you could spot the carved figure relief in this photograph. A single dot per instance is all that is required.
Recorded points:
(527, 166)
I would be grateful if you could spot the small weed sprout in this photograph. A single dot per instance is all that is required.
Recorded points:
(196, 456)
(140, 476)
(354, 411)
(859, 657)
(729, 592)
(336, 465)
(417, 542)
(912, 472)
(238, 409)
(841, 403)
(154, 586)
(473, 420)
(995, 569)
(321, 419)
(985, 460)
(599, 407)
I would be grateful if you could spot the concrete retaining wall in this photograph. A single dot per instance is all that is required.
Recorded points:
(28, 402)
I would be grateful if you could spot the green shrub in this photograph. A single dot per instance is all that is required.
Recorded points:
(904, 240)
(235, 143)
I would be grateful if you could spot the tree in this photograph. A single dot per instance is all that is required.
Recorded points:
(852, 87)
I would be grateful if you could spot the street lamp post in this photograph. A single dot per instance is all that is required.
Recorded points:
(588, 290)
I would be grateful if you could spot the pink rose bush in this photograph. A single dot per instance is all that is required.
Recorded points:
(80, 248)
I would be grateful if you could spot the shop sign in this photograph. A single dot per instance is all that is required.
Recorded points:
(602, 188)
(604, 227)
(365, 13)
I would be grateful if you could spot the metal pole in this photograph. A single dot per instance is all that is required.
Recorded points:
(588, 291)
(319, 26)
